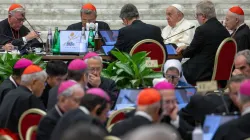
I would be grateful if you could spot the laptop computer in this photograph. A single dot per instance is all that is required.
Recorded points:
(171, 48)
(212, 123)
(183, 95)
(109, 38)
(126, 98)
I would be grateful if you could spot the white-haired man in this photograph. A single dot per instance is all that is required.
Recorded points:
(235, 21)
(69, 96)
(23, 97)
(176, 24)
(13, 28)
(95, 80)
(204, 45)
(242, 63)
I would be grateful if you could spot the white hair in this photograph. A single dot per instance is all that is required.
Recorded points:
(206, 8)
(26, 79)
(154, 132)
(94, 57)
(68, 92)
(246, 54)
(21, 10)
(240, 17)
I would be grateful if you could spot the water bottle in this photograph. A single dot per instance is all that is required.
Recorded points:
(91, 38)
(197, 133)
(49, 42)
(83, 42)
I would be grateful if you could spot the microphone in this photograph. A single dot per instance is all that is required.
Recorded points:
(34, 30)
(180, 32)
(223, 101)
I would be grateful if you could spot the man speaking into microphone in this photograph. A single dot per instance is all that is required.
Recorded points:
(175, 32)
(12, 28)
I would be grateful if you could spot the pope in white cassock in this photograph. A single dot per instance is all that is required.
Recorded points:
(176, 24)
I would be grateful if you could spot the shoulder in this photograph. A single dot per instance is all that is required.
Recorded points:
(102, 22)
(107, 80)
(4, 22)
(75, 25)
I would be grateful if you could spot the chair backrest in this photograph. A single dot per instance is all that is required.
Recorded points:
(8, 135)
(118, 115)
(29, 118)
(224, 59)
(157, 51)
(31, 133)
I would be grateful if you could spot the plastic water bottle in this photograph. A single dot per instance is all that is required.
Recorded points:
(197, 133)
(83, 43)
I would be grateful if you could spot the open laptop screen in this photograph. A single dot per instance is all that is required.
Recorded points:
(109, 37)
(170, 48)
(127, 98)
(212, 123)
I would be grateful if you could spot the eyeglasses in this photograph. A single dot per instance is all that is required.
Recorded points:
(168, 76)
(19, 20)
(170, 102)
(95, 69)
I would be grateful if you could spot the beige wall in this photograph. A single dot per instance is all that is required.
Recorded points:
(43, 14)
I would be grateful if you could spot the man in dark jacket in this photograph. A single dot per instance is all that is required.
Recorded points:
(69, 96)
(135, 30)
(235, 22)
(204, 45)
(88, 14)
(95, 80)
(14, 80)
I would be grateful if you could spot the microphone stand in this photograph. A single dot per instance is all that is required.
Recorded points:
(180, 32)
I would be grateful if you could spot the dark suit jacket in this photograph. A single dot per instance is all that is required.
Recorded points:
(137, 31)
(52, 100)
(242, 37)
(230, 105)
(45, 96)
(202, 50)
(71, 118)
(5, 87)
(15, 103)
(128, 125)
(198, 107)
(47, 124)
(78, 26)
(237, 129)
(109, 86)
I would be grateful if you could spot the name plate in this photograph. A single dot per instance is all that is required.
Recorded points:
(207, 86)
(151, 63)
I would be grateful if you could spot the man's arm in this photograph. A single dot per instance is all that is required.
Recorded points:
(195, 45)
(120, 43)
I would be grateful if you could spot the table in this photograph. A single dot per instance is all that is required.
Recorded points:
(104, 57)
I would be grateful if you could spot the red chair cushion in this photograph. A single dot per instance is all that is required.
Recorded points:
(33, 137)
(156, 53)
(225, 61)
(120, 116)
(5, 131)
(28, 121)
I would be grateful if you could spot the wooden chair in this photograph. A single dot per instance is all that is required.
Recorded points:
(28, 119)
(224, 59)
(31, 133)
(118, 116)
(157, 51)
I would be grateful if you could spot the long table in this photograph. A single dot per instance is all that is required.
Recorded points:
(71, 57)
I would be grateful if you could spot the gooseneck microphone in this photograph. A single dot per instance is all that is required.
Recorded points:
(180, 32)
(34, 30)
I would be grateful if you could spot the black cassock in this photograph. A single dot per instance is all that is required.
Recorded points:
(48, 123)
(234, 130)
(242, 37)
(71, 118)
(128, 125)
(5, 87)
(14, 104)
(7, 34)
(52, 97)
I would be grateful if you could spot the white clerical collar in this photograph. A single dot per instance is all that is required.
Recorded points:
(144, 114)
(246, 111)
(178, 23)
(84, 110)
(13, 81)
(58, 110)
